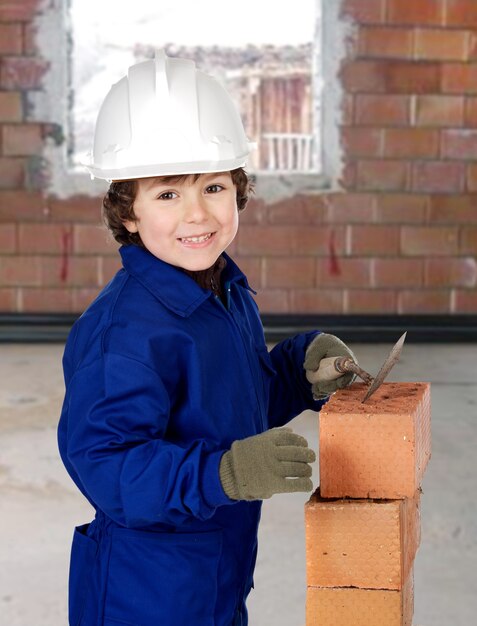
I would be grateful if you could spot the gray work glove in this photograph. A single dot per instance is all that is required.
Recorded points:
(260, 466)
(322, 347)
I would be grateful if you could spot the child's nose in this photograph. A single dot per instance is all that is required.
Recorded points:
(196, 210)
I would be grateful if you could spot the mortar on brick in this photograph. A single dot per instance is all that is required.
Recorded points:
(360, 607)
(376, 449)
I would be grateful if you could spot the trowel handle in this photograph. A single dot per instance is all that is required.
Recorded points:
(335, 366)
(326, 371)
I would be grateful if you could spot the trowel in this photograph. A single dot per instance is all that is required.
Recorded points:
(333, 367)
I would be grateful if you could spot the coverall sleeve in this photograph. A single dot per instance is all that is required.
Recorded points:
(290, 391)
(118, 411)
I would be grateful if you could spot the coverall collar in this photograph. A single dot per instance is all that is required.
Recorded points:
(169, 284)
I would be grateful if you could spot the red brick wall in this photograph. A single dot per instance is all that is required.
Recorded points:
(401, 239)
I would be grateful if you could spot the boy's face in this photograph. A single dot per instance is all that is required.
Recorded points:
(187, 224)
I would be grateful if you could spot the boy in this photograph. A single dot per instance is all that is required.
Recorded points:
(170, 423)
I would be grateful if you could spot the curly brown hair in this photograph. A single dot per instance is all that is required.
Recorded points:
(118, 203)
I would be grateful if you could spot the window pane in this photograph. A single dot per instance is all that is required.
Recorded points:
(262, 52)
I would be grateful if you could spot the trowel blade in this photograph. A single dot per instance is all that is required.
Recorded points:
(388, 364)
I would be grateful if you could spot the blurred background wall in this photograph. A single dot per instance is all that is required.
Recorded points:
(399, 238)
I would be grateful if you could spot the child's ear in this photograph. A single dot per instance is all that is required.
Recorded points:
(130, 225)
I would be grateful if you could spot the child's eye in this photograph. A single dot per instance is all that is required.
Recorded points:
(167, 195)
(214, 188)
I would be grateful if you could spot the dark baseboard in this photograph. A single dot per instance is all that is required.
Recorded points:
(54, 328)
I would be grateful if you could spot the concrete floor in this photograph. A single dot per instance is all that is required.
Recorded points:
(39, 505)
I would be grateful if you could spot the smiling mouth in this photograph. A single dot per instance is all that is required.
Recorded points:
(198, 239)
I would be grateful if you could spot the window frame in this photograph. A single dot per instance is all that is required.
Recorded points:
(331, 30)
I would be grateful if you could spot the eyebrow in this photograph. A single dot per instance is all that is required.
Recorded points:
(164, 180)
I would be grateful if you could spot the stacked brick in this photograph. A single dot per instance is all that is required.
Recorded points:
(363, 523)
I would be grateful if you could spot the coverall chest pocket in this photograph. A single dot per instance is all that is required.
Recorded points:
(266, 371)
(162, 578)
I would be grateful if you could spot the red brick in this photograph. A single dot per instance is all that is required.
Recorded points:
(398, 272)
(472, 177)
(347, 109)
(63, 271)
(471, 112)
(363, 76)
(75, 208)
(44, 238)
(374, 240)
(468, 240)
(82, 297)
(348, 176)
(424, 301)
(438, 176)
(10, 106)
(343, 606)
(412, 77)
(18, 11)
(459, 78)
(8, 238)
(92, 239)
(439, 44)
(451, 209)
(366, 544)
(417, 12)
(363, 11)
(429, 240)
(461, 13)
(385, 42)
(376, 449)
(465, 301)
(413, 143)
(299, 209)
(110, 265)
(296, 272)
(361, 141)
(439, 110)
(250, 266)
(451, 272)
(19, 270)
(349, 208)
(8, 300)
(382, 175)
(255, 213)
(21, 205)
(273, 300)
(459, 144)
(313, 301)
(11, 39)
(382, 110)
(22, 72)
(370, 301)
(12, 173)
(266, 240)
(401, 208)
(47, 300)
(318, 241)
(22, 139)
(344, 272)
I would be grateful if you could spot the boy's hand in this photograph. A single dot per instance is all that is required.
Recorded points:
(324, 346)
(275, 461)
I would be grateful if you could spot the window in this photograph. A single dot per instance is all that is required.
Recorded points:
(267, 55)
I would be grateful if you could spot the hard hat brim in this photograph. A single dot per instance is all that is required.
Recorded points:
(170, 169)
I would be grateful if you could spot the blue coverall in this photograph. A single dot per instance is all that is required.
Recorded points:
(161, 377)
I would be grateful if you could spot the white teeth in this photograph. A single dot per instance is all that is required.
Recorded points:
(197, 239)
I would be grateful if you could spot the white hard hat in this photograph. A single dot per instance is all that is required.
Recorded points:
(166, 117)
